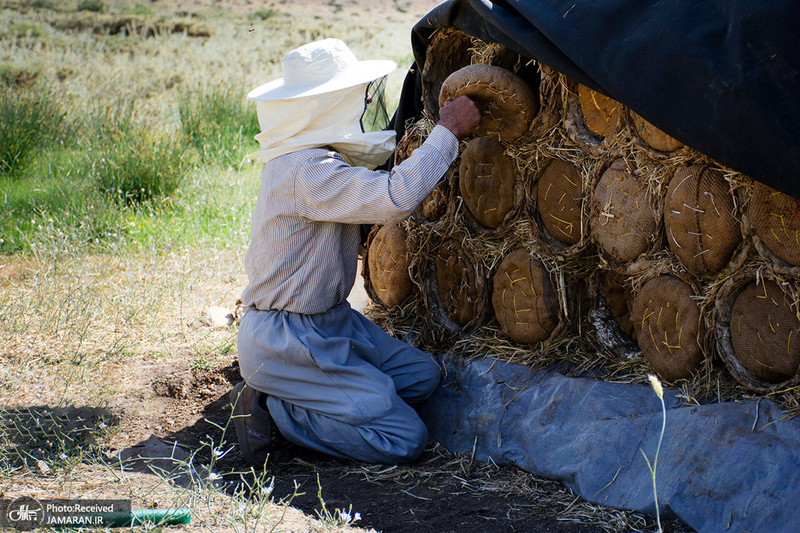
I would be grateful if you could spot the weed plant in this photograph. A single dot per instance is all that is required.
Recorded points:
(30, 122)
(219, 123)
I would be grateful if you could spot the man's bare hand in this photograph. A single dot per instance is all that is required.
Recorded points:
(461, 116)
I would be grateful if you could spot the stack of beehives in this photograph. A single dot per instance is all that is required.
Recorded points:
(568, 210)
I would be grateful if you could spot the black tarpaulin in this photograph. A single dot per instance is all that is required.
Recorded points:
(721, 76)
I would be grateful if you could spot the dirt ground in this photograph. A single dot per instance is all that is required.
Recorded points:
(440, 492)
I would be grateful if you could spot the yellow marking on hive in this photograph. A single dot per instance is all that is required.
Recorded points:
(562, 197)
(759, 338)
(646, 316)
(776, 236)
(783, 223)
(653, 338)
(776, 303)
(568, 225)
(624, 235)
(569, 180)
(769, 321)
(547, 191)
(788, 343)
(739, 323)
(667, 344)
(658, 320)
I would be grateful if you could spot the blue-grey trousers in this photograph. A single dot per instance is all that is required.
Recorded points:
(337, 383)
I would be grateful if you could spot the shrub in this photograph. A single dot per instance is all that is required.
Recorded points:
(219, 124)
(130, 162)
(140, 167)
(18, 76)
(264, 13)
(43, 4)
(96, 6)
(28, 121)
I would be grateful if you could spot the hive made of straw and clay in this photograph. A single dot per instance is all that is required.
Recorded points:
(669, 327)
(488, 182)
(757, 329)
(624, 215)
(700, 220)
(508, 104)
(525, 298)
(385, 266)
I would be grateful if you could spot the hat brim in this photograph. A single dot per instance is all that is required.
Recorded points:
(360, 73)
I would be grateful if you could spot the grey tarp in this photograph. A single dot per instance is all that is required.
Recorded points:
(723, 467)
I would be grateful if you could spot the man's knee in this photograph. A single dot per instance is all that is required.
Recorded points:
(408, 446)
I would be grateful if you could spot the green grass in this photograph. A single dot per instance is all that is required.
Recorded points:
(30, 122)
(219, 123)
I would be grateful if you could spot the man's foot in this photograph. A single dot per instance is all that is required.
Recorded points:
(259, 437)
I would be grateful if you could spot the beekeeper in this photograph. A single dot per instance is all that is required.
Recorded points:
(316, 372)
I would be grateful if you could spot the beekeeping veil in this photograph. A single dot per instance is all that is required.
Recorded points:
(326, 97)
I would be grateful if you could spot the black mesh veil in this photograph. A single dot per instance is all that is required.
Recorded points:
(376, 116)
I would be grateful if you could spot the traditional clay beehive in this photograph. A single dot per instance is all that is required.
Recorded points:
(623, 217)
(487, 181)
(757, 328)
(765, 331)
(559, 195)
(601, 115)
(448, 51)
(508, 104)
(525, 298)
(620, 302)
(652, 136)
(700, 220)
(657, 229)
(455, 285)
(669, 328)
(385, 267)
(775, 219)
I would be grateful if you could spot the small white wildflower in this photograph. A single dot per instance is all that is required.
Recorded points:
(63, 456)
(102, 425)
(267, 491)
(213, 476)
(356, 517)
(345, 516)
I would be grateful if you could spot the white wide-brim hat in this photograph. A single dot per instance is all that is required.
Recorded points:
(321, 67)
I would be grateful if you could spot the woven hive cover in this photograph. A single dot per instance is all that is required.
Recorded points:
(508, 104)
(524, 298)
(559, 197)
(699, 219)
(765, 332)
(487, 179)
(776, 219)
(722, 466)
(601, 114)
(669, 328)
(388, 266)
(622, 220)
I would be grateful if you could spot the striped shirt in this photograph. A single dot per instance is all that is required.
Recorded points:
(303, 251)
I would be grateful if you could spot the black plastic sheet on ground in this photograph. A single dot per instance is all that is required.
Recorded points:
(723, 467)
(721, 76)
